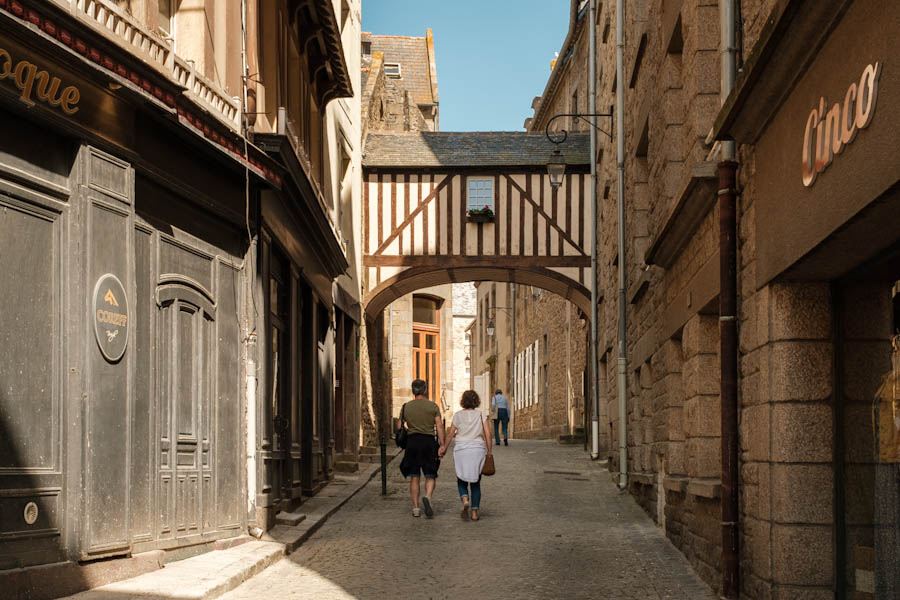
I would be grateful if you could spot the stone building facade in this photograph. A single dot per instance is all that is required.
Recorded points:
(815, 277)
(818, 238)
(552, 337)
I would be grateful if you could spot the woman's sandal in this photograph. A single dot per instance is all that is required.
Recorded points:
(474, 516)
(464, 513)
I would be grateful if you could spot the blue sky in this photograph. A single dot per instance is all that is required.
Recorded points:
(493, 56)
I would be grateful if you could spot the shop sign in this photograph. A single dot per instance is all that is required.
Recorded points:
(828, 133)
(110, 310)
(36, 84)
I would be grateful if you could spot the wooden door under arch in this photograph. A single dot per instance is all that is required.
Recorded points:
(427, 358)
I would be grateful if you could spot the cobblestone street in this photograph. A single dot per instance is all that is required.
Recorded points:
(552, 526)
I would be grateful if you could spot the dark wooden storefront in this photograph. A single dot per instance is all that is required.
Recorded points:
(108, 455)
(227, 266)
(299, 261)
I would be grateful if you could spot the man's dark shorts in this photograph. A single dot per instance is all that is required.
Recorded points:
(420, 456)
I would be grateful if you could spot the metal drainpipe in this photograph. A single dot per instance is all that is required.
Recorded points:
(592, 109)
(728, 347)
(620, 205)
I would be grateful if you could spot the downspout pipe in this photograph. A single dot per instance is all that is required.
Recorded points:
(728, 336)
(622, 363)
(592, 109)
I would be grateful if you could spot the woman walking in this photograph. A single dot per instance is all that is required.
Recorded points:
(473, 444)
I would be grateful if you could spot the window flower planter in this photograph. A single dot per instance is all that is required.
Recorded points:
(484, 215)
(480, 218)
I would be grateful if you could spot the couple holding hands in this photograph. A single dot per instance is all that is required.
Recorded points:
(423, 451)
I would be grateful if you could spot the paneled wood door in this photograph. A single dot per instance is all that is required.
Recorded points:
(427, 358)
(186, 501)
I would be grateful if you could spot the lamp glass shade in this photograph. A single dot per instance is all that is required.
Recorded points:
(556, 168)
(490, 328)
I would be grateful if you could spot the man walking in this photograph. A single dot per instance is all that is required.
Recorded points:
(500, 407)
(422, 456)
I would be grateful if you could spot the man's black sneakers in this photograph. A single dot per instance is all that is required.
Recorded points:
(426, 502)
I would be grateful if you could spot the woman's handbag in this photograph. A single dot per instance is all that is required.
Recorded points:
(401, 436)
(488, 468)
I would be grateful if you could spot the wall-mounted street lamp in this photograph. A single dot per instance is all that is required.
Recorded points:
(556, 168)
(490, 326)
(556, 165)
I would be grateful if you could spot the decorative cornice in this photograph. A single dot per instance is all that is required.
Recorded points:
(328, 67)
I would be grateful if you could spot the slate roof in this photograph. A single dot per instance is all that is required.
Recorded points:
(412, 55)
(475, 149)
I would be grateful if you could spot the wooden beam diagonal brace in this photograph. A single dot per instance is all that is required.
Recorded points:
(539, 210)
(422, 205)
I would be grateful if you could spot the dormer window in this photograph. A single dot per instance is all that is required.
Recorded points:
(392, 70)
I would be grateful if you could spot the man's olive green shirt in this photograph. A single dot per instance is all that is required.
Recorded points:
(420, 414)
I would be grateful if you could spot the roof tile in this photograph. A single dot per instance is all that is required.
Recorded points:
(475, 149)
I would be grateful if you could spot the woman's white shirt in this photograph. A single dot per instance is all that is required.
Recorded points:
(468, 425)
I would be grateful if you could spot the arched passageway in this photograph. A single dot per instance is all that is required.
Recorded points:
(448, 208)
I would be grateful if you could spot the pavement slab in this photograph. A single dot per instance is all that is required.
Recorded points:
(208, 575)
(552, 525)
(211, 574)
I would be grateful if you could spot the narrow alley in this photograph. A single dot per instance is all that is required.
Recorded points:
(552, 526)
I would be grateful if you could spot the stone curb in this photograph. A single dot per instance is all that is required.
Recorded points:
(212, 574)
(206, 576)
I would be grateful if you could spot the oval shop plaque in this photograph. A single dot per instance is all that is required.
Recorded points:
(110, 317)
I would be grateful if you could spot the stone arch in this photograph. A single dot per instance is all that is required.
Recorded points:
(416, 278)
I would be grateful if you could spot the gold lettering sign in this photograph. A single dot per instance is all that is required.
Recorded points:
(36, 84)
(110, 317)
(828, 133)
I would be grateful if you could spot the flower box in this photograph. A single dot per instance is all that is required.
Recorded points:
(480, 218)
(480, 215)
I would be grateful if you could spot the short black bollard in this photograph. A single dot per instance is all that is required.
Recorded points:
(383, 466)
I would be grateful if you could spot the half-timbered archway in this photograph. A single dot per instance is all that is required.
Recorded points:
(419, 231)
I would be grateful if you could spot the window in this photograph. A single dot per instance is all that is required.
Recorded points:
(481, 193)
(366, 48)
(426, 344)
(165, 17)
(425, 310)
(392, 70)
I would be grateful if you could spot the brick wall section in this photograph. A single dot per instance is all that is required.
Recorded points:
(555, 317)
